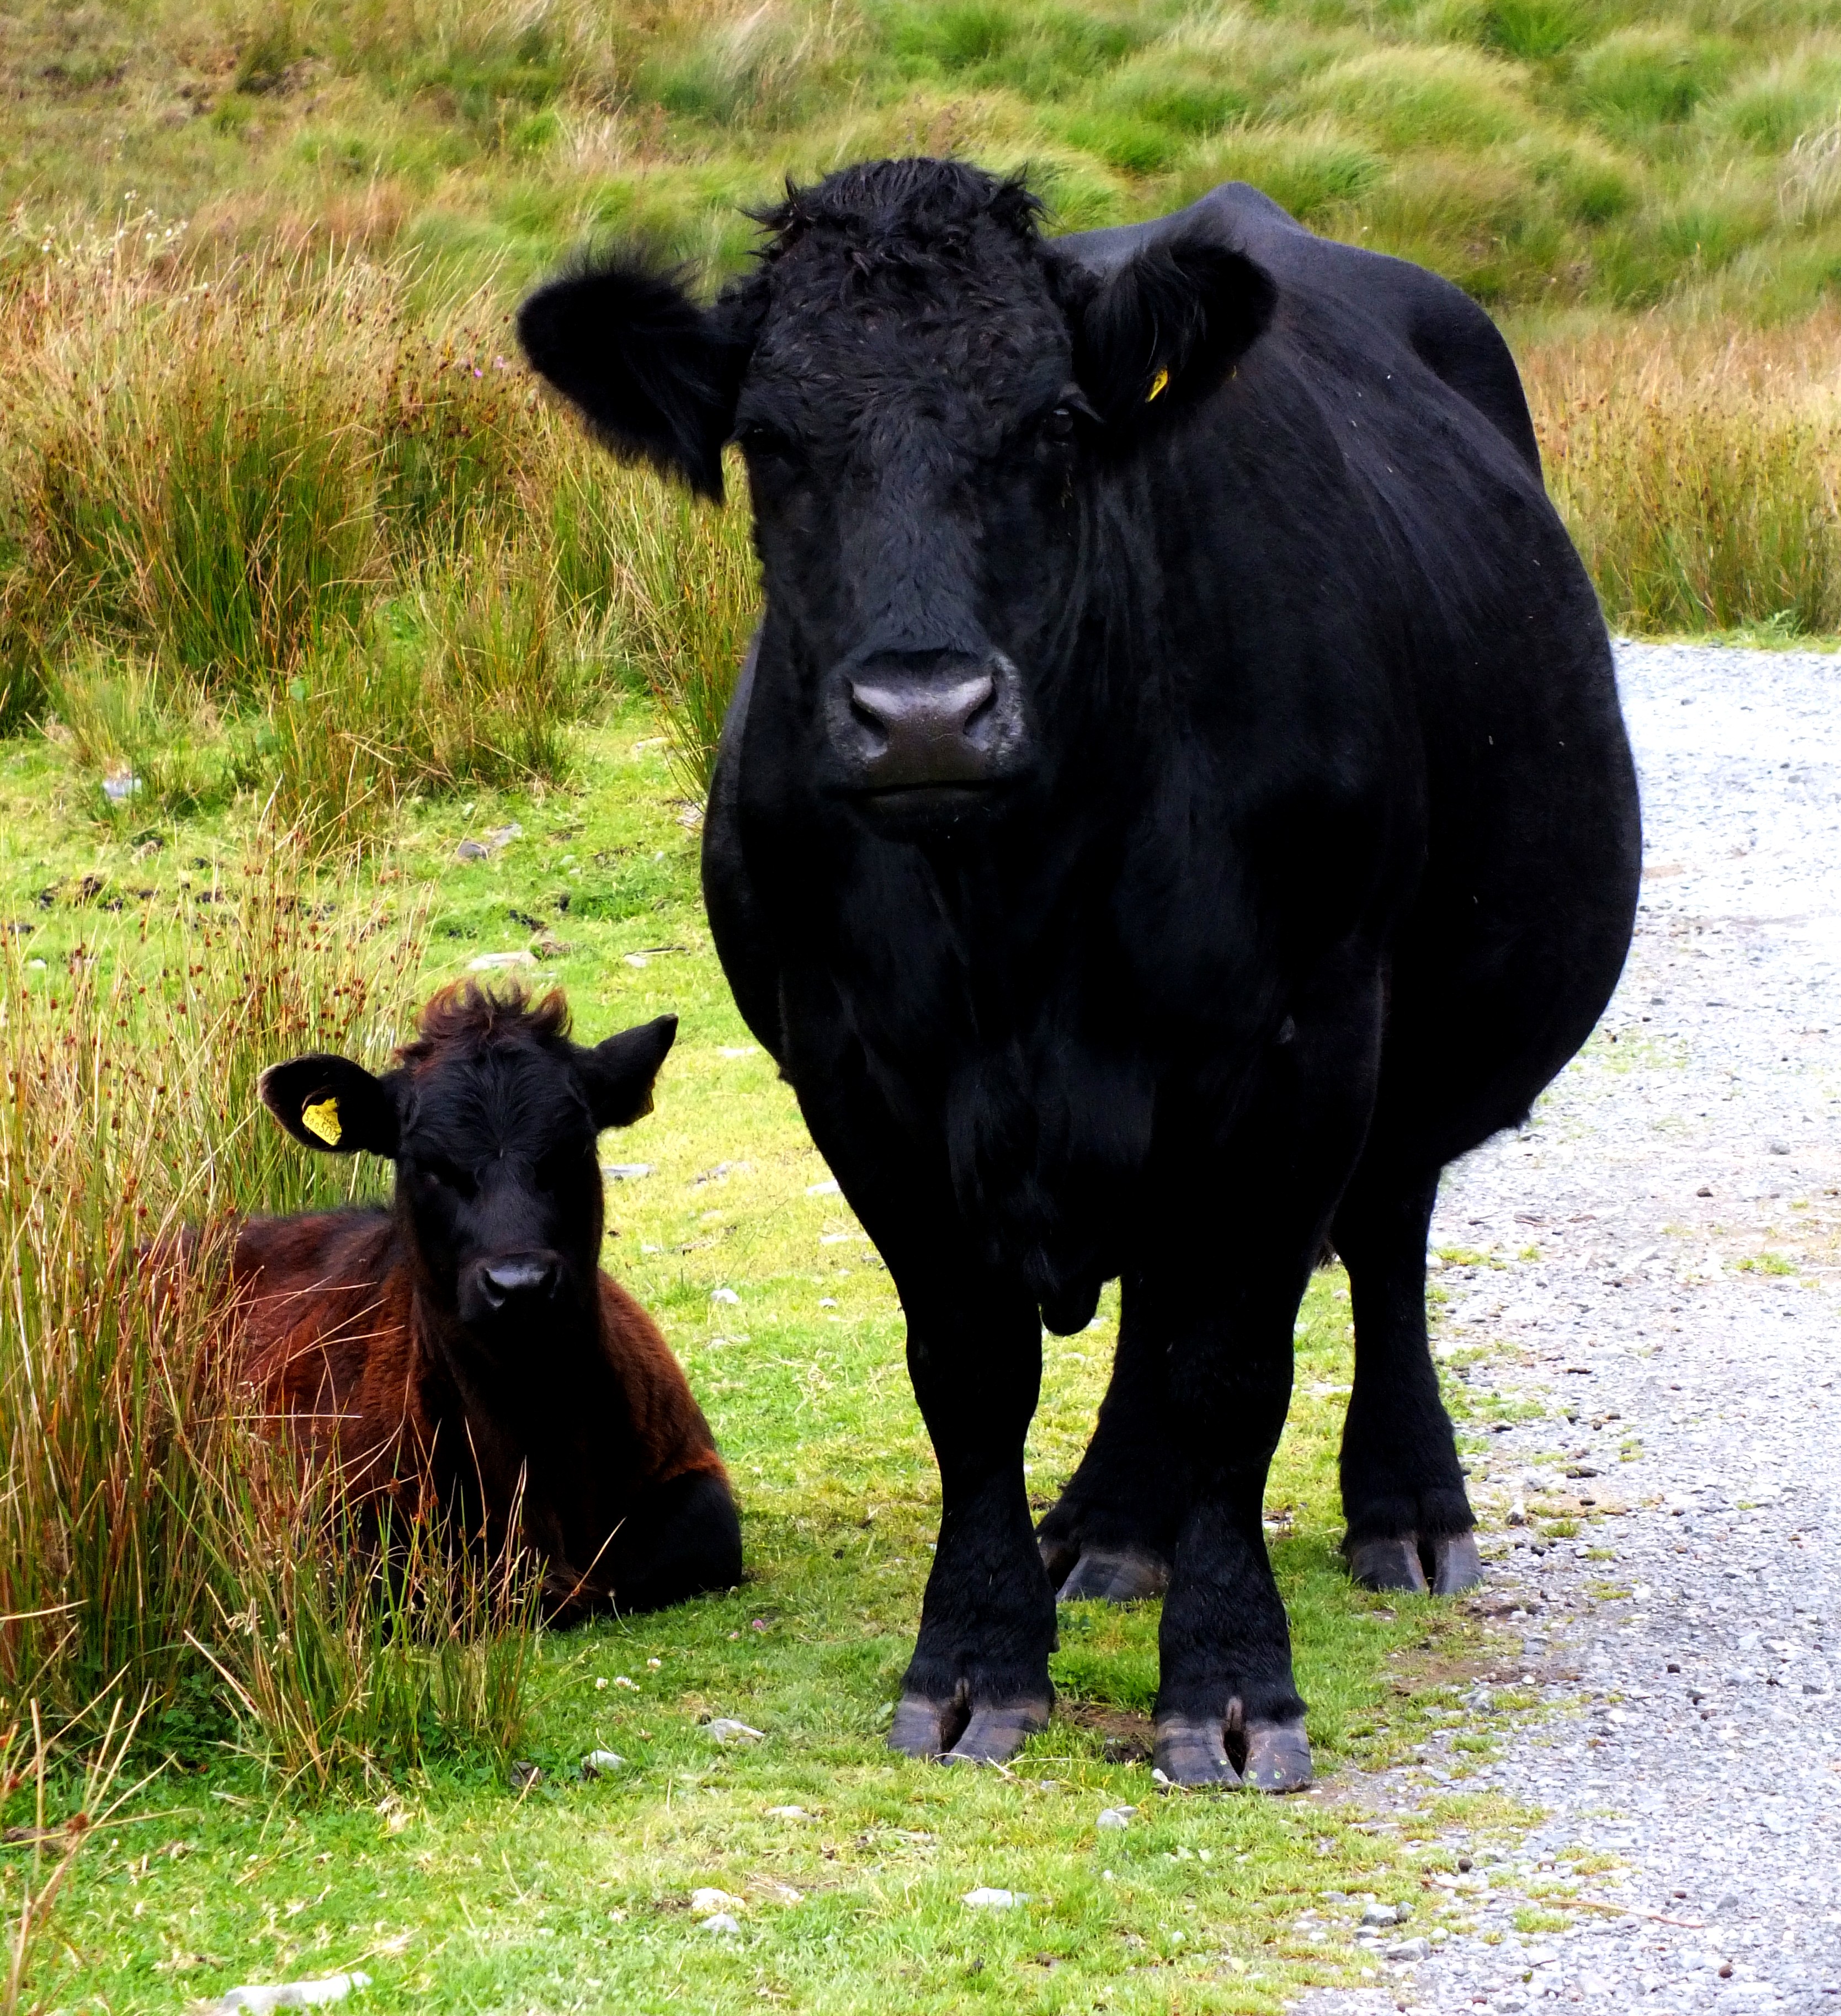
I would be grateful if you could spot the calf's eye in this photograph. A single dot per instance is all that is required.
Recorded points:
(1059, 425)
(450, 1176)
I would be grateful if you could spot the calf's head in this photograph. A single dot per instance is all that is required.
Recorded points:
(491, 1118)
(928, 398)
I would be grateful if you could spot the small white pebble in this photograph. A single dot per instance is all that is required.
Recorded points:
(1116, 1818)
(984, 1899)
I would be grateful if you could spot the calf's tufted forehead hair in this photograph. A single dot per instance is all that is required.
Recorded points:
(465, 1019)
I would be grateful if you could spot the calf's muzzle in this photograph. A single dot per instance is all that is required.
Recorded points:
(508, 1283)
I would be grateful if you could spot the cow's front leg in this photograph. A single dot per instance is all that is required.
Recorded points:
(979, 1685)
(1227, 1708)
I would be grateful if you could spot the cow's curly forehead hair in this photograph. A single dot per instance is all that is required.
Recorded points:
(883, 265)
(901, 212)
(467, 1018)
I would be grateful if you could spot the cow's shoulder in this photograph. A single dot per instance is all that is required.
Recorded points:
(1346, 299)
(318, 1296)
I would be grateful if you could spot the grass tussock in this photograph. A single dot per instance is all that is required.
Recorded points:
(1697, 470)
(269, 534)
(152, 1533)
(493, 139)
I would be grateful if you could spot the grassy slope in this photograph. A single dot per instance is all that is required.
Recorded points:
(576, 1895)
(1542, 152)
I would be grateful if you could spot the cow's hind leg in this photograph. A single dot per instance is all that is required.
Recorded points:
(1409, 1523)
(682, 1538)
(1110, 1533)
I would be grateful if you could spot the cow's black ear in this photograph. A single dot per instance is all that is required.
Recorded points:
(330, 1103)
(618, 1074)
(656, 374)
(1168, 325)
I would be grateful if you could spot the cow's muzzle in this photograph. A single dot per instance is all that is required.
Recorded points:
(507, 1285)
(934, 725)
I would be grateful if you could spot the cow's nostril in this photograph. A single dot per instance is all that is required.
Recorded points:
(865, 716)
(982, 706)
(503, 1280)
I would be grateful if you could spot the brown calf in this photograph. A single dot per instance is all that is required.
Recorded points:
(463, 1344)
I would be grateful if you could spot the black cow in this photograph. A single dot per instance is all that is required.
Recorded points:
(1176, 802)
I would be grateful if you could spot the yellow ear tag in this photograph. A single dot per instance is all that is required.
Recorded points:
(323, 1120)
(1157, 385)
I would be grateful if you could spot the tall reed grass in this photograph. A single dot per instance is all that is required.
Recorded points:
(269, 535)
(35, 1768)
(152, 1532)
(1699, 470)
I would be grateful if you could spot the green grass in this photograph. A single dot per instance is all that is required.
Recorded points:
(454, 1892)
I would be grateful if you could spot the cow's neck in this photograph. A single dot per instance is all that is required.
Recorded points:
(501, 1420)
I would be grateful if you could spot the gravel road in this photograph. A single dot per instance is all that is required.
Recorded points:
(1663, 1250)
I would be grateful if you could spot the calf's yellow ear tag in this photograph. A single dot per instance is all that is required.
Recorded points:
(322, 1120)
(1157, 385)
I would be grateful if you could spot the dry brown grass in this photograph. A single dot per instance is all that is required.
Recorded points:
(1699, 469)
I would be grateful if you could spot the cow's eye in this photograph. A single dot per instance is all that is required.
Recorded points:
(450, 1176)
(1058, 426)
(761, 441)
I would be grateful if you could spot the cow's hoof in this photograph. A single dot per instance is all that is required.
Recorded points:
(1457, 1565)
(958, 1733)
(924, 1727)
(994, 1735)
(1384, 1565)
(1277, 1757)
(1115, 1574)
(1192, 1750)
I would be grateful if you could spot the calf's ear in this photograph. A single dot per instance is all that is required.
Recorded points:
(334, 1105)
(1166, 326)
(656, 374)
(617, 1074)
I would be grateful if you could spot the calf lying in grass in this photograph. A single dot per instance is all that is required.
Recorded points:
(463, 1346)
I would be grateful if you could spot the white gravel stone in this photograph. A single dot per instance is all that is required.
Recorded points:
(264, 1995)
(1704, 1395)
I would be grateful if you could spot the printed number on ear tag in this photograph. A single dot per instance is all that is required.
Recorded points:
(323, 1119)
(1157, 385)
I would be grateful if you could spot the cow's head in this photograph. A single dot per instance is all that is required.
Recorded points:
(491, 1118)
(924, 391)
